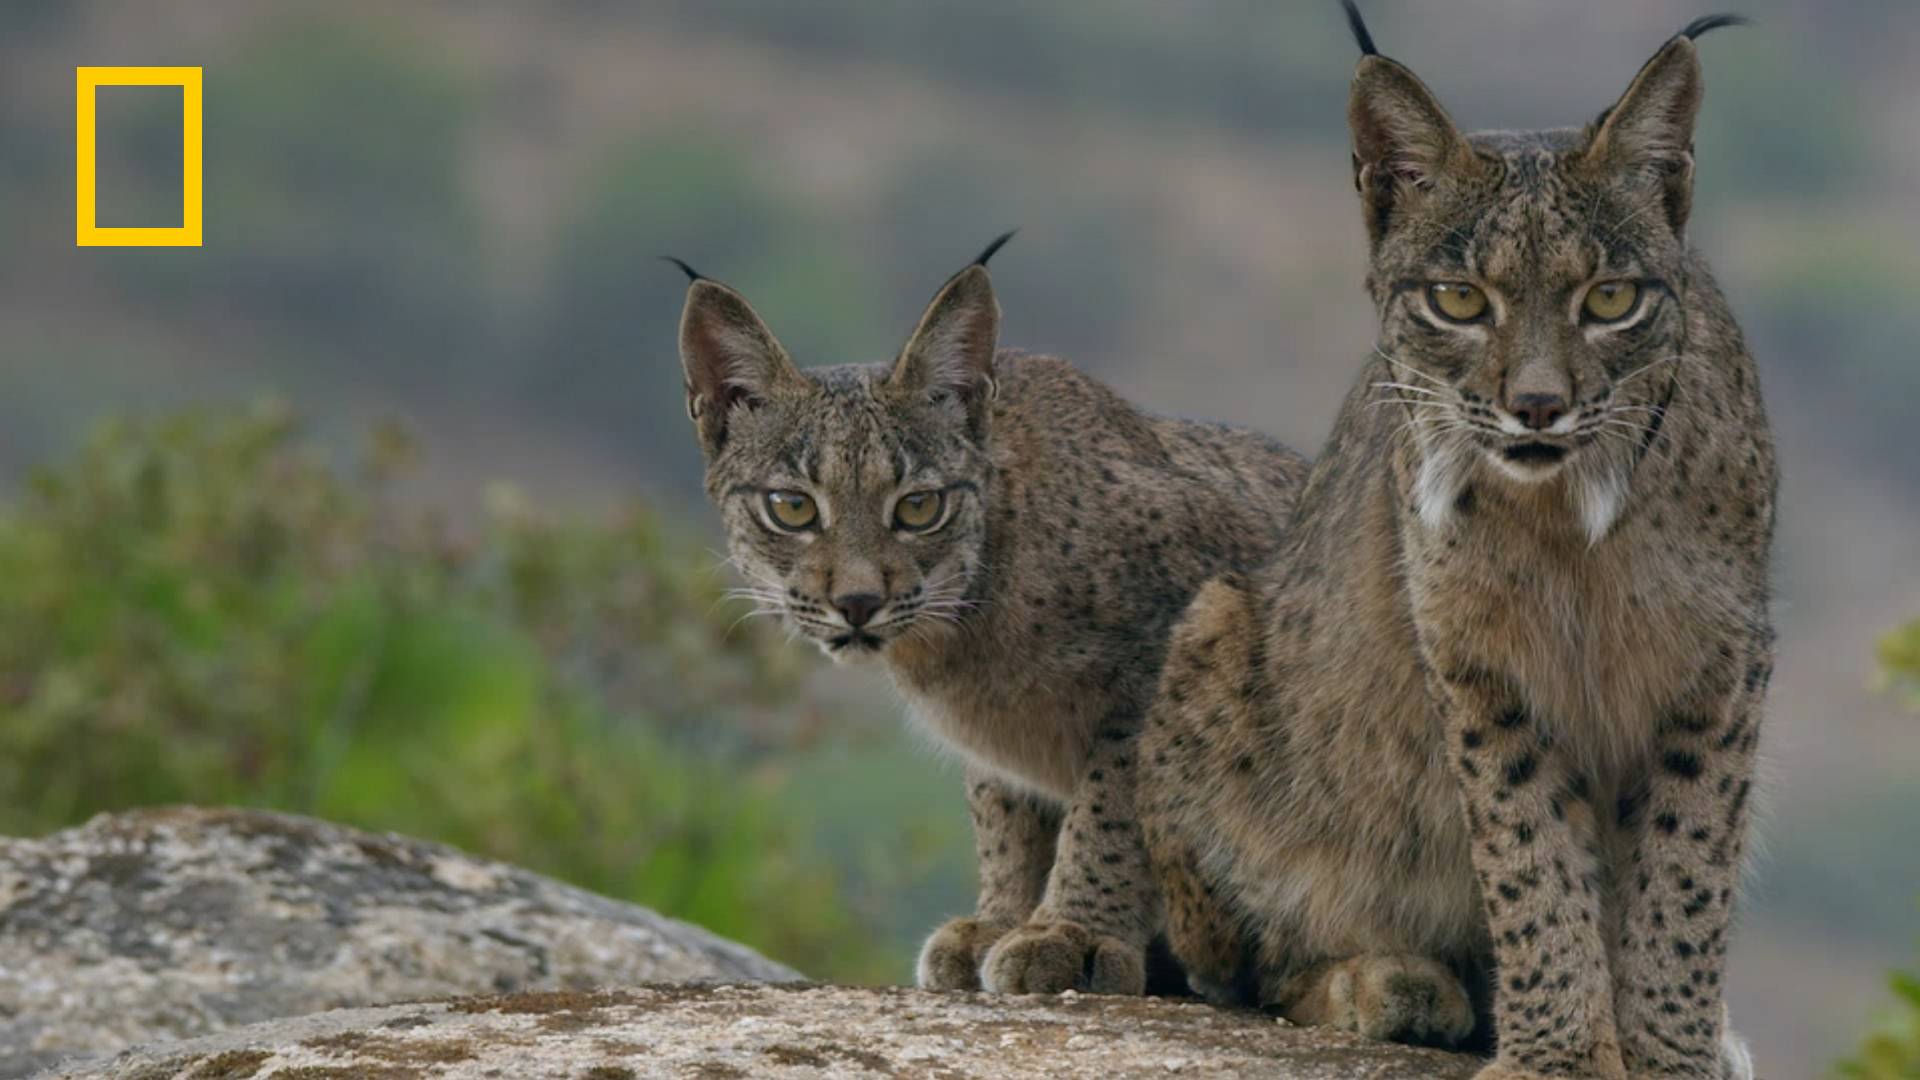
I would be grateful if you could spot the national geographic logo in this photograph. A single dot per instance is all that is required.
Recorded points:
(87, 233)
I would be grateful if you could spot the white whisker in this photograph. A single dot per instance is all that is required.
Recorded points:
(1411, 370)
(1644, 368)
(735, 625)
(1410, 388)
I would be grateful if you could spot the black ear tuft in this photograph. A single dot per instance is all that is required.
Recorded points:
(1713, 22)
(692, 274)
(998, 243)
(1359, 27)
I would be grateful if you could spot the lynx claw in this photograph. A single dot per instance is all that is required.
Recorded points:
(1051, 957)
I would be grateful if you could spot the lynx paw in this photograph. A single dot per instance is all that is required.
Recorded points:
(1497, 1071)
(1407, 999)
(1501, 1070)
(951, 958)
(1049, 957)
(1214, 992)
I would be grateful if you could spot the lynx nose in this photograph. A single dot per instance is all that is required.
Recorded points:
(858, 608)
(1538, 411)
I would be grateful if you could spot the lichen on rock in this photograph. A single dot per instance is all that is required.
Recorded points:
(173, 923)
(781, 1032)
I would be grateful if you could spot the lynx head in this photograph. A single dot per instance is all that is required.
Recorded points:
(852, 495)
(1531, 286)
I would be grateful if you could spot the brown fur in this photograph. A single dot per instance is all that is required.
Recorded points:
(1492, 707)
(1028, 628)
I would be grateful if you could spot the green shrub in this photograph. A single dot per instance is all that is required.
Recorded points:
(1893, 1052)
(201, 610)
(1900, 660)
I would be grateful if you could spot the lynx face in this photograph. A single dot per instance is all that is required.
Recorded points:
(852, 495)
(1530, 286)
(853, 508)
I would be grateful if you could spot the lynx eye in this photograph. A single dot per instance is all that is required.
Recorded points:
(917, 512)
(1611, 301)
(1457, 301)
(792, 510)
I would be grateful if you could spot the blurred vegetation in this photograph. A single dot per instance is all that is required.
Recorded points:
(657, 196)
(1900, 661)
(1246, 63)
(200, 609)
(337, 167)
(1893, 1051)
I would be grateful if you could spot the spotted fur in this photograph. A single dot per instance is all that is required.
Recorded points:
(1028, 628)
(1494, 707)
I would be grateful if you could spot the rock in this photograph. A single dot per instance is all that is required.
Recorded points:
(769, 1031)
(171, 923)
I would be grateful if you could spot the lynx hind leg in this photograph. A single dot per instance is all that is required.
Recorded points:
(1398, 998)
(1209, 658)
(1201, 932)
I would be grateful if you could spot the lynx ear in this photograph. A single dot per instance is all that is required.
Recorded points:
(951, 352)
(1649, 131)
(1403, 141)
(730, 357)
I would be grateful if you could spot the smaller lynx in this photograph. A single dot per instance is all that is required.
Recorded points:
(1012, 541)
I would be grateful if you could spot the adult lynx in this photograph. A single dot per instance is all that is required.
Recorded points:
(1493, 708)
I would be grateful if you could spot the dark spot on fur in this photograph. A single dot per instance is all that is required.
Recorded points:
(1682, 764)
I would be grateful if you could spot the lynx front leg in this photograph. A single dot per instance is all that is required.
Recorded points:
(1014, 839)
(1680, 890)
(1101, 907)
(1531, 829)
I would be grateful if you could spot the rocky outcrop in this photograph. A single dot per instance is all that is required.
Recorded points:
(231, 944)
(723, 1032)
(174, 923)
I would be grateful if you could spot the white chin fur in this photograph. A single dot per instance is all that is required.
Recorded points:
(1444, 472)
(1522, 474)
(1599, 499)
(853, 654)
(1734, 1054)
(1598, 494)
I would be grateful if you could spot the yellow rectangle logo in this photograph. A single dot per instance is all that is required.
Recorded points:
(87, 232)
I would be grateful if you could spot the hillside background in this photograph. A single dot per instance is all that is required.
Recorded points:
(445, 216)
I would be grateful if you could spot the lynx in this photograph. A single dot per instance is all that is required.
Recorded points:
(1487, 723)
(1012, 542)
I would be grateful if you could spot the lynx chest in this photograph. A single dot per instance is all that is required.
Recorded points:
(1598, 638)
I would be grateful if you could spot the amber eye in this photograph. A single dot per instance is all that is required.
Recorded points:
(1611, 301)
(1456, 301)
(791, 509)
(918, 510)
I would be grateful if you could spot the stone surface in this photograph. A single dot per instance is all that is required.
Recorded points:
(165, 924)
(765, 1031)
